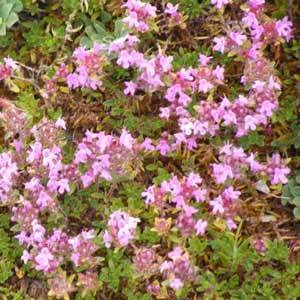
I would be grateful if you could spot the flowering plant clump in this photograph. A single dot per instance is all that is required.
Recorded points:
(34, 196)
(121, 229)
(167, 191)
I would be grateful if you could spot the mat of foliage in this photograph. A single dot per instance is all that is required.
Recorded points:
(149, 149)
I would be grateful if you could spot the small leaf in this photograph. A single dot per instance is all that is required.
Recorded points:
(296, 201)
(295, 191)
(286, 195)
(12, 19)
(297, 212)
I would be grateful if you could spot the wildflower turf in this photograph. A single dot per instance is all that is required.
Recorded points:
(139, 157)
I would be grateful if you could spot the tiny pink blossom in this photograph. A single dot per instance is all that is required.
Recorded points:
(130, 88)
(200, 227)
(126, 139)
(219, 3)
(220, 44)
(60, 123)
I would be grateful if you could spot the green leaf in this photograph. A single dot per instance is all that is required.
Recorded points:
(8, 14)
(30, 105)
(12, 19)
(197, 245)
(5, 10)
(286, 195)
(2, 29)
(5, 271)
(296, 212)
(297, 178)
(295, 191)
(120, 29)
(296, 201)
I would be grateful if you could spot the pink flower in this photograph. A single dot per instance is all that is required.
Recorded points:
(44, 200)
(222, 172)
(194, 179)
(83, 248)
(250, 123)
(254, 165)
(175, 93)
(176, 284)
(44, 260)
(238, 38)
(38, 232)
(35, 153)
(219, 3)
(121, 229)
(200, 227)
(138, 14)
(130, 88)
(26, 256)
(87, 180)
(165, 112)
(217, 205)
(147, 145)
(259, 245)
(171, 9)
(218, 72)
(220, 44)
(230, 194)
(231, 224)
(276, 170)
(256, 3)
(284, 28)
(10, 63)
(163, 147)
(204, 60)
(60, 123)
(204, 86)
(179, 269)
(280, 175)
(126, 139)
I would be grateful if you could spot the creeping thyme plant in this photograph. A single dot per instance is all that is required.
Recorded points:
(137, 156)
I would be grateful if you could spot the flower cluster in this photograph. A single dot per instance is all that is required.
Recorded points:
(139, 14)
(245, 113)
(121, 229)
(178, 270)
(83, 248)
(219, 3)
(262, 28)
(225, 205)
(180, 193)
(7, 68)
(144, 260)
(88, 72)
(89, 68)
(8, 174)
(14, 122)
(175, 17)
(34, 177)
(104, 155)
(234, 163)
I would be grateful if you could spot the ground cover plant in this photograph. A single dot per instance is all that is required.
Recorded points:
(149, 150)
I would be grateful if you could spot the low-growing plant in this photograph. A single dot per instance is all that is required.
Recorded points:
(155, 197)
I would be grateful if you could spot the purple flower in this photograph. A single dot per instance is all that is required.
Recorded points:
(200, 227)
(219, 3)
(130, 88)
(284, 28)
